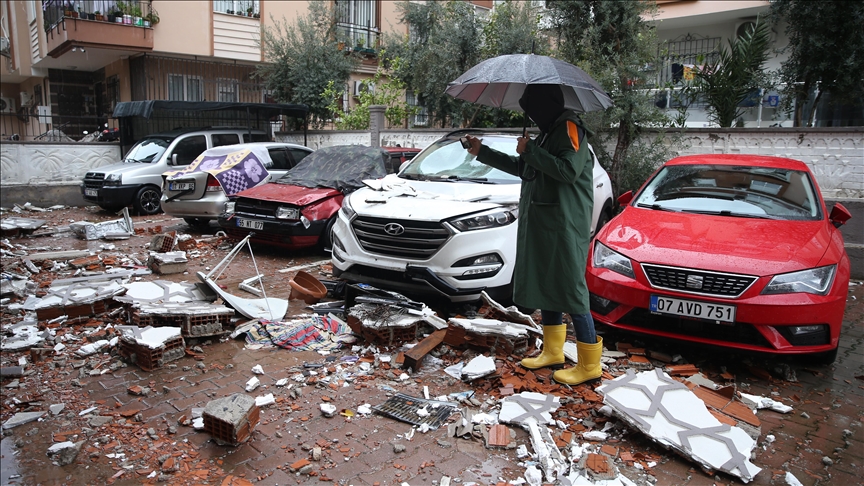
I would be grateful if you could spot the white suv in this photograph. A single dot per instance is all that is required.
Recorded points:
(444, 226)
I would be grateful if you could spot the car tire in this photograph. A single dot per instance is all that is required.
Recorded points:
(197, 222)
(147, 200)
(605, 216)
(326, 239)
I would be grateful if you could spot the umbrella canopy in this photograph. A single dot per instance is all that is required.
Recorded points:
(500, 81)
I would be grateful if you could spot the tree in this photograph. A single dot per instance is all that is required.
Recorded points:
(735, 74)
(612, 43)
(303, 58)
(380, 90)
(444, 43)
(826, 51)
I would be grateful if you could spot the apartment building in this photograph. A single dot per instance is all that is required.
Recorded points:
(67, 63)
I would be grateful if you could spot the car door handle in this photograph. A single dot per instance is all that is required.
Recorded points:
(600, 185)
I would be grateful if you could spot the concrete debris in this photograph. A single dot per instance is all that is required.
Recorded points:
(252, 384)
(673, 416)
(117, 229)
(478, 367)
(528, 406)
(64, 453)
(168, 262)
(22, 418)
(265, 400)
(757, 403)
(231, 420)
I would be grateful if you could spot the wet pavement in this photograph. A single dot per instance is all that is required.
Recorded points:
(145, 441)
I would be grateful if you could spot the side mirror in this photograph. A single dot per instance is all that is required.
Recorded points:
(839, 215)
(173, 159)
(624, 199)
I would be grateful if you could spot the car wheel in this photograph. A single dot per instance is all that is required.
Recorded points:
(197, 222)
(147, 200)
(605, 216)
(326, 240)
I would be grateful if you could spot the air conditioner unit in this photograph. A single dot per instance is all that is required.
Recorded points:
(5, 46)
(741, 28)
(360, 87)
(7, 105)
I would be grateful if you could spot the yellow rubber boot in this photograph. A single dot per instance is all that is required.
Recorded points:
(553, 348)
(588, 366)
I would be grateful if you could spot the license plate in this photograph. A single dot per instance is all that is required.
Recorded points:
(181, 186)
(250, 224)
(91, 192)
(691, 308)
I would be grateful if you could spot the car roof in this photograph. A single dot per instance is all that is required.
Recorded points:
(740, 160)
(184, 130)
(268, 145)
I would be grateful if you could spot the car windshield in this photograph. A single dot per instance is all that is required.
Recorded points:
(446, 159)
(732, 190)
(147, 150)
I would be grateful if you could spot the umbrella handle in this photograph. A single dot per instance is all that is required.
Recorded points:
(520, 164)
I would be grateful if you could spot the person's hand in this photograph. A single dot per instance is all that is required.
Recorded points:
(521, 143)
(475, 145)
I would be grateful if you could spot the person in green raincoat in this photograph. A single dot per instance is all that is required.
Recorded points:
(554, 229)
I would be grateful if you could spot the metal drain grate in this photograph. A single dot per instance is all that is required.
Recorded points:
(404, 407)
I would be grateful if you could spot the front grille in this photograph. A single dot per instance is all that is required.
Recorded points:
(698, 282)
(256, 208)
(94, 180)
(419, 240)
(739, 332)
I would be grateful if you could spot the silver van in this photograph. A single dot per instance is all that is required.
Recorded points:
(137, 180)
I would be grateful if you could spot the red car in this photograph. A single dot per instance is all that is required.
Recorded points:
(729, 250)
(298, 210)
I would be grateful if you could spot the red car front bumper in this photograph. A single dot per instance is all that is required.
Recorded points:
(762, 322)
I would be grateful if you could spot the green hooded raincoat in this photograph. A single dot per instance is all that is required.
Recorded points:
(554, 223)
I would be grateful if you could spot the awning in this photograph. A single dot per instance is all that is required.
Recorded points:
(267, 110)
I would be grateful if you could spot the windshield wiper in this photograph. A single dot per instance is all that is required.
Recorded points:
(414, 177)
(731, 214)
(657, 207)
(479, 180)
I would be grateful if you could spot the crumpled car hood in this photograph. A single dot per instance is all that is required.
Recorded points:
(284, 193)
(725, 244)
(396, 198)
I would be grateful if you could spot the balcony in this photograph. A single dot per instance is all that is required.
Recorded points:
(123, 26)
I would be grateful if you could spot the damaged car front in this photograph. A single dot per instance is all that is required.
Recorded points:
(443, 227)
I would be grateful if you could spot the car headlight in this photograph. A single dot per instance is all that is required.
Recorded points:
(813, 281)
(347, 211)
(229, 207)
(113, 179)
(489, 219)
(285, 212)
(604, 257)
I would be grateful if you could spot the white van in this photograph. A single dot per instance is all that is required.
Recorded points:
(444, 226)
(137, 180)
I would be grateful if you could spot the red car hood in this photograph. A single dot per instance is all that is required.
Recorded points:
(285, 193)
(719, 243)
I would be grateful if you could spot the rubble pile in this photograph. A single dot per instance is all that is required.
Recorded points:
(70, 321)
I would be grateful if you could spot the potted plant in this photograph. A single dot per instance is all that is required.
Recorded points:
(229, 12)
(152, 17)
(135, 12)
(99, 16)
(256, 15)
(249, 11)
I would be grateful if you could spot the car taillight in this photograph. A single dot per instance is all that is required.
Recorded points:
(213, 185)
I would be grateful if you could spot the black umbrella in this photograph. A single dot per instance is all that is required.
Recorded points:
(500, 81)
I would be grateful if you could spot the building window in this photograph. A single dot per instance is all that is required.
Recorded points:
(235, 7)
(112, 92)
(182, 87)
(226, 90)
(357, 22)
(421, 119)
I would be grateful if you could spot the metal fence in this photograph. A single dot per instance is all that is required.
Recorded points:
(53, 11)
(54, 128)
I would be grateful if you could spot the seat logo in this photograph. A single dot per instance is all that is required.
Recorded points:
(694, 282)
(394, 229)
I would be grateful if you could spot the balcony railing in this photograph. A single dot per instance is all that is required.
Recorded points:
(358, 38)
(131, 12)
